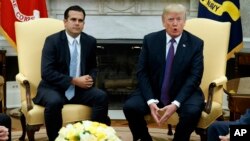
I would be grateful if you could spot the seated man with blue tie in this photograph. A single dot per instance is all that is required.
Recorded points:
(68, 71)
(169, 73)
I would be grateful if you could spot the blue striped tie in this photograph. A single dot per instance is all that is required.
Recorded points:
(73, 68)
(165, 84)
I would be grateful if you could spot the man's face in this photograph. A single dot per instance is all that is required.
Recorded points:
(74, 23)
(174, 23)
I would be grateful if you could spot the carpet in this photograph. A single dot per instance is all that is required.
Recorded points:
(123, 132)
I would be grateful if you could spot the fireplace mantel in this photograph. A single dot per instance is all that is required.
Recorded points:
(119, 41)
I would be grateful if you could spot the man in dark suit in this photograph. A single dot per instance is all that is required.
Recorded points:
(68, 71)
(219, 130)
(185, 96)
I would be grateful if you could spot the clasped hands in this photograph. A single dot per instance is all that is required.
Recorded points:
(85, 81)
(4, 132)
(161, 115)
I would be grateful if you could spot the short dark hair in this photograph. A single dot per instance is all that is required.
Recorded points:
(74, 8)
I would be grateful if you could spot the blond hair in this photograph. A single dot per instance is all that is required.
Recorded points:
(174, 8)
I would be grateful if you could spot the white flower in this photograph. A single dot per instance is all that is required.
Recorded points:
(87, 131)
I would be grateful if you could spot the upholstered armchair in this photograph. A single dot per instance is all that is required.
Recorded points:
(216, 38)
(30, 37)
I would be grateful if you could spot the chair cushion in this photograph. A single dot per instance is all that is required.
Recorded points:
(70, 113)
(207, 119)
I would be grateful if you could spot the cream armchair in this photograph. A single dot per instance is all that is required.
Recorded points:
(30, 37)
(216, 38)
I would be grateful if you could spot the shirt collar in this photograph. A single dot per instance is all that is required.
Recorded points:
(71, 39)
(177, 39)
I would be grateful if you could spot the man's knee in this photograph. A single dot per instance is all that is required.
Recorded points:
(101, 96)
(190, 115)
(54, 104)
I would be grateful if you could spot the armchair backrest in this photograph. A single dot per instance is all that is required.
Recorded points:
(30, 37)
(216, 38)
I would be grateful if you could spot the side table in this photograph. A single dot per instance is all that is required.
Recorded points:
(242, 58)
(238, 92)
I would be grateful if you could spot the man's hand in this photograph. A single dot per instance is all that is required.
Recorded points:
(4, 132)
(85, 81)
(167, 112)
(225, 138)
(154, 112)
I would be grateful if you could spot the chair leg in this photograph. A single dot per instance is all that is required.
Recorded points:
(170, 132)
(23, 123)
(31, 129)
(202, 133)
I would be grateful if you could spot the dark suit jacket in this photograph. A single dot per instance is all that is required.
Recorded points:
(186, 71)
(244, 119)
(56, 60)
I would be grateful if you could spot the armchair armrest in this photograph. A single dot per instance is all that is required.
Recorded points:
(215, 83)
(25, 82)
(220, 81)
(1, 80)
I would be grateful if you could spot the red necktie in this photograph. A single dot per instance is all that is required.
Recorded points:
(165, 84)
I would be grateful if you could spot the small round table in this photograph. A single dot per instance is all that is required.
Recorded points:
(238, 91)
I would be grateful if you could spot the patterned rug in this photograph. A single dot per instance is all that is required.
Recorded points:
(123, 132)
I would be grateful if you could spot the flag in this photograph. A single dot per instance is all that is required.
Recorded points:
(225, 11)
(19, 10)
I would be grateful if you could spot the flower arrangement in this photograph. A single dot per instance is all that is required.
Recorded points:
(87, 131)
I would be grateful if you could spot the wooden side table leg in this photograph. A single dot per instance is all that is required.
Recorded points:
(231, 116)
(236, 66)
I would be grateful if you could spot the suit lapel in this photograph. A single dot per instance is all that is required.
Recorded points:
(65, 46)
(179, 55)
(162, 52)
(163, 45)
(83, 52)
(180, 52)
